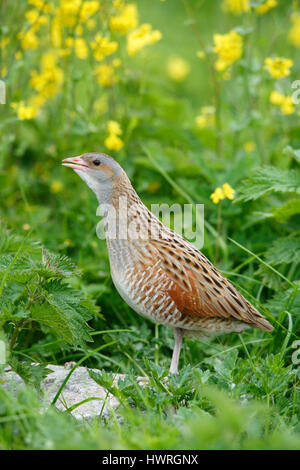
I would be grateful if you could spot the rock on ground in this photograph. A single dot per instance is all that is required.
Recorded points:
(79, 387)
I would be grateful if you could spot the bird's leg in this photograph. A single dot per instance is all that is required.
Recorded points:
(176, 351)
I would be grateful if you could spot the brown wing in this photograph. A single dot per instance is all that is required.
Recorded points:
(199, 289)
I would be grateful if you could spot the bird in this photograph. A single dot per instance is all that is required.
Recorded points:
(157, 272)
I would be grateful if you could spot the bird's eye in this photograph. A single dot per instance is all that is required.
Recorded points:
(96, 162)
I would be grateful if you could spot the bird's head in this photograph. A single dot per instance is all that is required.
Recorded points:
(100, 172)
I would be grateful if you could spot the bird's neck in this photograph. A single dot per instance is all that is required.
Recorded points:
(125, 217)
(111, 192)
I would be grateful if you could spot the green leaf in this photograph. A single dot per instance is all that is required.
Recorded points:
(32, 374)
(12, 305)
(22, 270)
(284, 250)
(55, 319)
(10, 242)
(58, 265)
(282, 301)
(294, 153)
(269, 179)
(66, 311)
(290, 208)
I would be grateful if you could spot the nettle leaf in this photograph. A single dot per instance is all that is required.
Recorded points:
(290, 208)
(66, 311)
(284, 250)
(269, 179)
(34, 260)
(287, 300)
(54, 318)
(90, 305)
(291, 152)
(6, 310)
(58, 265)
(11, 312)
(21, 270)
(66, 297)
(10, 242)
(32, 374)
(268, 277)
(34, 287)
(12, 305)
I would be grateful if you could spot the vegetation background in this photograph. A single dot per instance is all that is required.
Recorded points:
(187, 96)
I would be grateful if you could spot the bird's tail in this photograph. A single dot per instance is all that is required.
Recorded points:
(259, 321)
(263, 324)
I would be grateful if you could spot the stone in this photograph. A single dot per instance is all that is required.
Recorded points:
(79, 387)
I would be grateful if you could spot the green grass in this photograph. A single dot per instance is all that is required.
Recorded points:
(58, 303)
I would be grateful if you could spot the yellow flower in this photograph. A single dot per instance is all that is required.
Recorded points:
(276, 98)
(28, 39)
(229, 48)
(91, 24)
(118, 5)
(41, 5)
(294, 33)
(228, 191)
(26, 227)
(103, 47)
(141, 37)
(64, 52)
(3, 43)
(113, 127)
(206, 118)
(126, 20)
(237, 7)
(24, 112)
(67, 12)
(56, 32)
(249, 146)
(38, 101)
(79, 30)
(56, 186)
(265, 7)
(70, 12)
(221, 193)
(105, 75)
(49, 81)
(285, 102)
(177, 68)
(80, 47)
(217, 195)
(35, 19)
(287, 107)
(278, 67)
(113, 142)
(88, 9)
